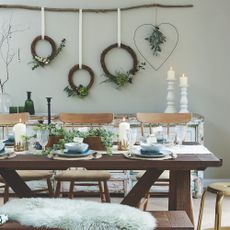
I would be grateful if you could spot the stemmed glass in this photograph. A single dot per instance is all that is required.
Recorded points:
(42, 138)
(181, 133)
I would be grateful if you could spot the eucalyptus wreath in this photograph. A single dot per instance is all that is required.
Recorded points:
(156, 40)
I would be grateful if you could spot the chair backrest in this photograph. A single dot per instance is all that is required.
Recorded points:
(162, 119)
(9, 120)
(86, 118)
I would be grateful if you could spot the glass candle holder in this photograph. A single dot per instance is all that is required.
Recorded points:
(13, 109)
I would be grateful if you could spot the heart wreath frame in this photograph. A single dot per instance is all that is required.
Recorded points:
(80, 90)
(125, 77)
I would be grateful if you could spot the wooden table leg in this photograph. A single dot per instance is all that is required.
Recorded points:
(180, 192)
(142, 186)
(12, 178)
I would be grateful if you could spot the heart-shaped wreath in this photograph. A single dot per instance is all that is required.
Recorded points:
(80, 90)
(157, 55)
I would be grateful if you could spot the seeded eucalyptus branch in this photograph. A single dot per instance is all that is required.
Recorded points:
(42, 61)
(156, 39)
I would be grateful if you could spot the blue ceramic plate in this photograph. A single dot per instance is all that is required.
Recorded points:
(64, 154)
(160, 154)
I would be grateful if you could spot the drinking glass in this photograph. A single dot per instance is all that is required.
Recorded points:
(42, 138)
(181, 133)
(131, 137)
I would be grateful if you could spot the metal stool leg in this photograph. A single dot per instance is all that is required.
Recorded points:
(201, 210)
(218, 211)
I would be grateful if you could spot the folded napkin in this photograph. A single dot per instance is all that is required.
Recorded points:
(75, 152)
(150, 152)
(8, 142)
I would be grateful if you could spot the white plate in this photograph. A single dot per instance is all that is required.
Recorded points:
(63, 154)
(6, 152)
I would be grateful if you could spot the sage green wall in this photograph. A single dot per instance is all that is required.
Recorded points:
(203, 54)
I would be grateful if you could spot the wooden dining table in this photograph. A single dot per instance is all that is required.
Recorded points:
(180, 168)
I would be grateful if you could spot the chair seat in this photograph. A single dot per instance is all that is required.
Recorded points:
(223, 187)
(30, 175)
(83, 175)
(163, 176)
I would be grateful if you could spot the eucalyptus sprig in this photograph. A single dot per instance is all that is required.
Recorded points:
(42, 61)
(54, 129)
(81, 91)
(122, 78)
(156, 39)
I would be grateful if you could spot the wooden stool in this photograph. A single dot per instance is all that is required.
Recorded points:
(221, 190)
(74, 176)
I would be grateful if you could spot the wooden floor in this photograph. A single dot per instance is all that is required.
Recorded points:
(161, 204)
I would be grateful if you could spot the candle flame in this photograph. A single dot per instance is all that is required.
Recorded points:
(20, 120)
(123, 119)
(171, 68)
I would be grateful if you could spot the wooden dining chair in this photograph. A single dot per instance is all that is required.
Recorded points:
(83, 177)
(167, 120)
(7, 121)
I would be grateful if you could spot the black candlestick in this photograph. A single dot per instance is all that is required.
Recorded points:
(49, 110)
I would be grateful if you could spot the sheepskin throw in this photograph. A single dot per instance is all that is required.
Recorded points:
(76, 214)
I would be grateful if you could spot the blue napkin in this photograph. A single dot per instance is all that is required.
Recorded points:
(9, 142)
(150, 152)
(75, 152)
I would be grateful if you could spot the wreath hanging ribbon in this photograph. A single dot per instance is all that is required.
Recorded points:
(42, 61)
(79, 90)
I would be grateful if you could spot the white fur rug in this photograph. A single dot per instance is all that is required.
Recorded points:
(76, 214)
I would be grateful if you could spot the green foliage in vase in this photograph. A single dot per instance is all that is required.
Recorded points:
(122, 78)
(156, 40)
(42, 61)
(81, 91)
(54, 129)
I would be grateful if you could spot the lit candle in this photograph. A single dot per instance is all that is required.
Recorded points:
(43, 22)
(19, 131)
(123, 129)
(171, 74)
(80, 38)
(183, 81)
(119, 27)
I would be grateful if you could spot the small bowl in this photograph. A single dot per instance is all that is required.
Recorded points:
(76, 147)
(151, 147)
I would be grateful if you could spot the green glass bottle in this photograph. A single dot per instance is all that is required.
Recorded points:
(29, 104)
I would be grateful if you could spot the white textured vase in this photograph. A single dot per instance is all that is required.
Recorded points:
(5, 102)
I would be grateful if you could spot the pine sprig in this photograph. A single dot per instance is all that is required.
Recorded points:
(156, 40)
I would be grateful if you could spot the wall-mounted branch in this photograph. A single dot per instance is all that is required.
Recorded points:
(38, 8)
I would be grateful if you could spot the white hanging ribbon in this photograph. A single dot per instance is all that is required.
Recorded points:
(43, 22)
(119, 27)
(80, 39)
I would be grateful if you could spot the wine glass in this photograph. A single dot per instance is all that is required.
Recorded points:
(181, 133)
(43, 137)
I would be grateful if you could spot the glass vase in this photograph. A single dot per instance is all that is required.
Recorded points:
(29, 104)
(5, 102)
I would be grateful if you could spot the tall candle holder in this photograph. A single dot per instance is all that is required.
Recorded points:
(49, 108)
(171, 108)
(184, 99)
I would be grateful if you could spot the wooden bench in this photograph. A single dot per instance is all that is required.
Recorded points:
(176, 220)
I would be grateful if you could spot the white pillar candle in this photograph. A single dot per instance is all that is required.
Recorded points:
(19, 131)
(171, 74)
(119, 27)
(43, 22)
(124, 127)
(183, 81)
(80, 39)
